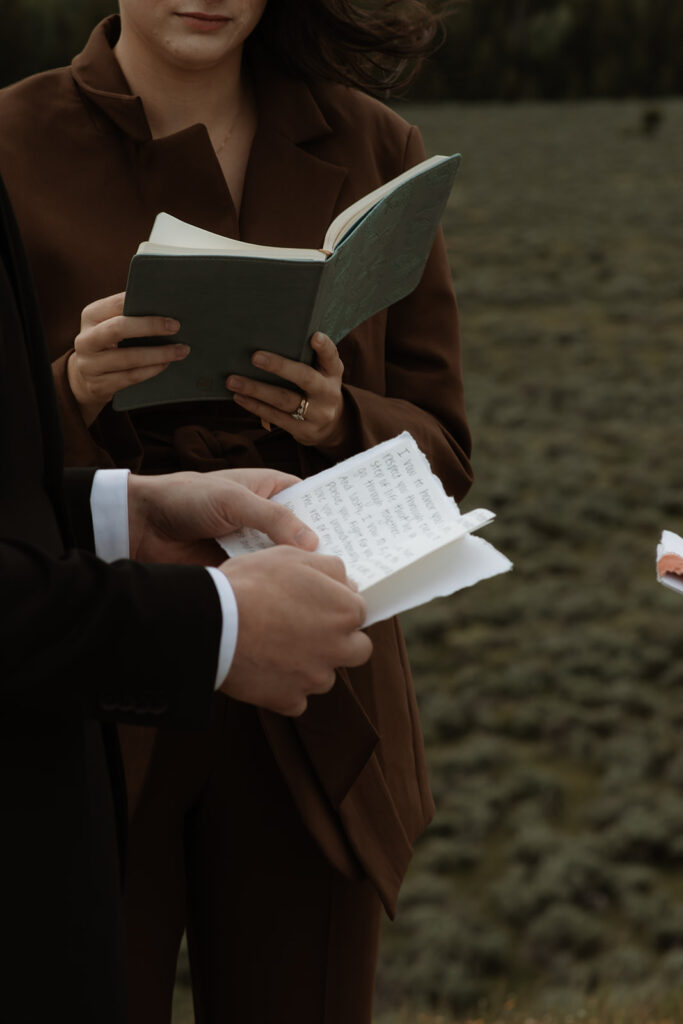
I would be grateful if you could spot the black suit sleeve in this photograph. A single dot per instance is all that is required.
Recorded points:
(77, 488)
(124, 642)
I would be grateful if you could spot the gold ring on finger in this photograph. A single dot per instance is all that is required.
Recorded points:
(300, 411)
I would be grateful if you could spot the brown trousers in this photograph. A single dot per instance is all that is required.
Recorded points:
(216, 846)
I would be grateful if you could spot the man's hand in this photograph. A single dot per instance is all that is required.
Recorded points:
(174, 518)
(299, 620)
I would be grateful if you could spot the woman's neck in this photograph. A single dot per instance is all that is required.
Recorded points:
(175, 97)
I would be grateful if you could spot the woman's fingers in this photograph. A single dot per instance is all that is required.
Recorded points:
(107, 334)
(269, 394)
(307, 379)
(271, 414)
(321, 386)
(106, 385)
(102, 309)
(329, 363)
(99, 367)
(118, 360)
(299, 374)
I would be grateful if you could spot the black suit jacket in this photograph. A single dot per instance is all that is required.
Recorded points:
(80, 642)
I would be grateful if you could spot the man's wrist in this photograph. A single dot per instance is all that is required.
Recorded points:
(139, 488)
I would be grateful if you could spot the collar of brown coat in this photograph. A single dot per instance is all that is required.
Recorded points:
(299, 202)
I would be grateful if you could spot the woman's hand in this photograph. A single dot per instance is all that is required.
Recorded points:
(97, 369)
(321, 421)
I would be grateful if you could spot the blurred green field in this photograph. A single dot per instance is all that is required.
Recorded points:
(550, 885)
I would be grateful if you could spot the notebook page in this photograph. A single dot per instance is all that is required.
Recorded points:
(379, 511)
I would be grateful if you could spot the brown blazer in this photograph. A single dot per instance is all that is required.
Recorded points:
(87, 180)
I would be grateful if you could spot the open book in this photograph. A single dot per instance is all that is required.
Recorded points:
(384, 512)
(670, 560)
(232, 298)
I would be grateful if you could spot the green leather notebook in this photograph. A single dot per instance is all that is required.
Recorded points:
(232, 298)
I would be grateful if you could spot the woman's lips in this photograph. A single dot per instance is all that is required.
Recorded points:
(204, 22)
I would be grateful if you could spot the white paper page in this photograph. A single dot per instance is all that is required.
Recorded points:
(459, 565)
(379, 511)
(173, 237)
(670, 544)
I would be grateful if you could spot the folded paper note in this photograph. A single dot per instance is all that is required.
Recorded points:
(670, 560)
(402, 539)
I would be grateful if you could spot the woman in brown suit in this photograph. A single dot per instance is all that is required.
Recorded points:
(273, 842)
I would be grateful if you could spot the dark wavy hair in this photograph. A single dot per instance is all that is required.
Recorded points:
(375, 46)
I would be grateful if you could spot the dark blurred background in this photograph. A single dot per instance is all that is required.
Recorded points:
(496, 49)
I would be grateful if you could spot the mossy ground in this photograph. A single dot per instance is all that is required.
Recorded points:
(552, 697)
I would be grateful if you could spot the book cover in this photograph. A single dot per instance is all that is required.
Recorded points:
(230, 305)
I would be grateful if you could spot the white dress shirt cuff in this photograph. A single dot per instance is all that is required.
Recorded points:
(226, 597)
(109, 510)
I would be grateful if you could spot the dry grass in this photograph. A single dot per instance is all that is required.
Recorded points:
(551, 698)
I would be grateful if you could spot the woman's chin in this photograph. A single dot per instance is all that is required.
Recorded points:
(201, 51)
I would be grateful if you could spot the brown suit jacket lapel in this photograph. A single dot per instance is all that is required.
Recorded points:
(298, 209)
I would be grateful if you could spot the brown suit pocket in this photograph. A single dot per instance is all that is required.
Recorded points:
(338, 737)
